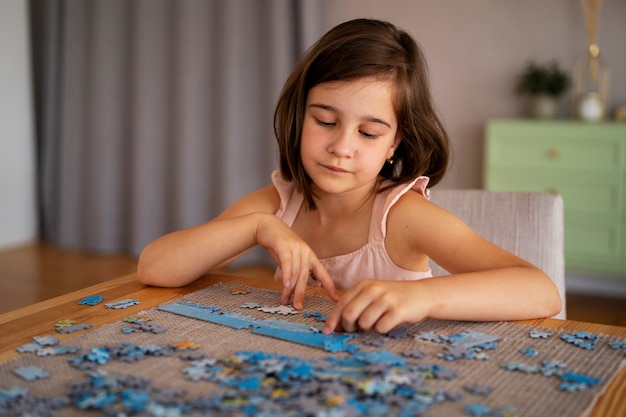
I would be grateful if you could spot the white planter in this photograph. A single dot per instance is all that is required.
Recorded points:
(542, 107)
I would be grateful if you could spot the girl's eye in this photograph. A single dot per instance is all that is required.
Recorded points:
(369, 135)
(323, 123)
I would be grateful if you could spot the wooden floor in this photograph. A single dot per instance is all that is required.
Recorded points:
(37, 272)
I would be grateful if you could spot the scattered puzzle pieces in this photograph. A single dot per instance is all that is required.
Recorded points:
(583, 340)
(366, 381)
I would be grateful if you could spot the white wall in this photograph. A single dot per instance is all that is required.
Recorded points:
(17, 177)
(476, 50)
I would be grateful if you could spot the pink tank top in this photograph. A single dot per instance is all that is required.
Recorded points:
(371, 260)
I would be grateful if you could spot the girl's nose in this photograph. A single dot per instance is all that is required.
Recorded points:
(342, 144)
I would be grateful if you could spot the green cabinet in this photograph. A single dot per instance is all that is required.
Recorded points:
(586, 164)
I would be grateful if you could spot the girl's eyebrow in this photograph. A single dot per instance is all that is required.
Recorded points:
(335, 110)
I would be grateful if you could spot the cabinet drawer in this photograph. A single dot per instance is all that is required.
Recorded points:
(602, 156)
(572, 147)
(586, 194)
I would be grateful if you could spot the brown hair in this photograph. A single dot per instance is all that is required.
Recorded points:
(362, 48)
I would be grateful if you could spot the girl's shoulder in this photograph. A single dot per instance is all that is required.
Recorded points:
(264, 200)
(415, 213)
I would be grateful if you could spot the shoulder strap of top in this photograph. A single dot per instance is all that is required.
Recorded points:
(290, 199)
(386, 200)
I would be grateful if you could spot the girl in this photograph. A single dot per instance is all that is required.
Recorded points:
(359, 142)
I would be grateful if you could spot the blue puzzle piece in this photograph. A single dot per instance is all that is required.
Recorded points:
(478, 410)
(92, 300)
(530, 352)
(31, 373)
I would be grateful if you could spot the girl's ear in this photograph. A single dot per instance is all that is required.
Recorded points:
(396, 142)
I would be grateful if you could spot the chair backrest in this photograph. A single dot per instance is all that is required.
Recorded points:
(527, 224)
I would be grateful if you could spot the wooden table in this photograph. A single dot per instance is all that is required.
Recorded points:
(20, 326)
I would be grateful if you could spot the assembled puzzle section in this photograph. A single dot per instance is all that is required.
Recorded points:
(233, 350)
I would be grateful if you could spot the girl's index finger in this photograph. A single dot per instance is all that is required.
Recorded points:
(320, 274)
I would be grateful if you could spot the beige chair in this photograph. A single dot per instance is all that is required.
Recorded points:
(528, 224)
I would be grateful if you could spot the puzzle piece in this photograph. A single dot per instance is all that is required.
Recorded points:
(317, 316)
(64, 323)
(430, 337)
(186, 345)
(581, 379)
(31, 373)
(373, 339)
(29, 348)
(55, 351)
(73, 328)
(398, 333)
(507, 412)
(250, 305)
(281, 309)
(617, 344)
(122, 304)
(539, 334)
(456, 352)
(144, 326)
(137, 319)
(414, 353)
(48, 340)
(583, 340)
(478, 410)
(92, 300)
(552, 367)
(530, 352)
(478, 389)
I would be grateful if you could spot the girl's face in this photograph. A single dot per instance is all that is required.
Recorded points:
(350, 129)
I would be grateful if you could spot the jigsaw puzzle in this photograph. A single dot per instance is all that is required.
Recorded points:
(200, 355)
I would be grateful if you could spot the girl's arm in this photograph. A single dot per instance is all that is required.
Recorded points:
(486, 282)
(183, 256)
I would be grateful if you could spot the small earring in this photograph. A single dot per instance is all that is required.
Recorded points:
(390, 161)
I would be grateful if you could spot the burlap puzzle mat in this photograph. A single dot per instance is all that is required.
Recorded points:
(531, 394)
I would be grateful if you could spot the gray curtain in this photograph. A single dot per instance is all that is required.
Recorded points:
(154, 115)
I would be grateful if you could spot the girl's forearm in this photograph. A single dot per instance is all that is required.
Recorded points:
(513, 293)
(180, 257)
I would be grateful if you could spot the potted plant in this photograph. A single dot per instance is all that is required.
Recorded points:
(544, 85)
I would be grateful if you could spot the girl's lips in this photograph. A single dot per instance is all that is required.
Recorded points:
(334, 169)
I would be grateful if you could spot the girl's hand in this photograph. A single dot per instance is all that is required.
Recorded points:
(296, 259)
(380, 305)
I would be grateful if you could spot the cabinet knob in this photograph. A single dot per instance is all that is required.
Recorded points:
(554, 153)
